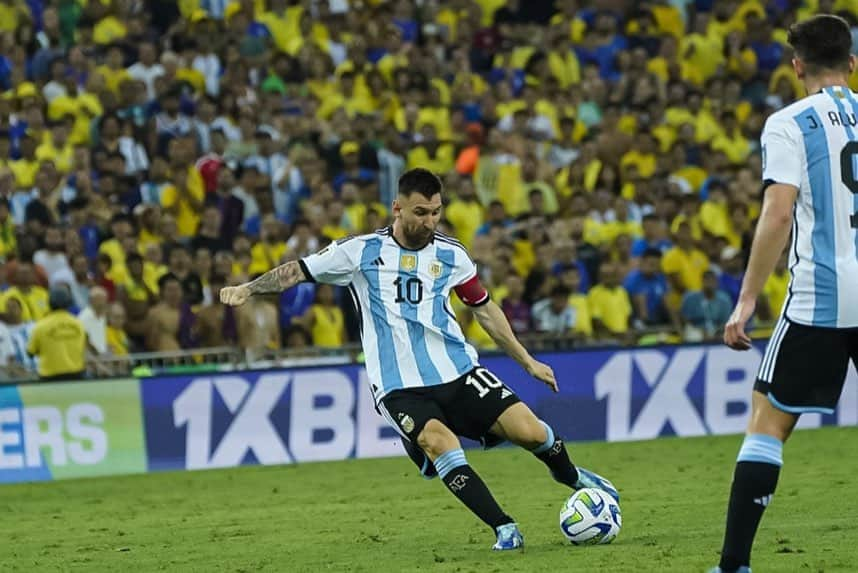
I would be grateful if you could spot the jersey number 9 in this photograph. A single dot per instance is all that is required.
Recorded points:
(847, 173)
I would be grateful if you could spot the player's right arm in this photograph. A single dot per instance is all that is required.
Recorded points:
(335, 264)
(274, 281)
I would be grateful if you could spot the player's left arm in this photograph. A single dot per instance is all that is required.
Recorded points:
(494, 322)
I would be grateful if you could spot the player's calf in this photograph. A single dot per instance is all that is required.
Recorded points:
(463, 482)
(552, 452)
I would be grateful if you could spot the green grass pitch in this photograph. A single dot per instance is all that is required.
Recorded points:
(378, 515)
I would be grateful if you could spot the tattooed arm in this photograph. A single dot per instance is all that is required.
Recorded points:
(276, 280)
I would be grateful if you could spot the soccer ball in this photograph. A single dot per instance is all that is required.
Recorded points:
(590, 517)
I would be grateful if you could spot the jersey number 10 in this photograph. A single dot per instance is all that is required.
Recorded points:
(411, 290)
(847, 173)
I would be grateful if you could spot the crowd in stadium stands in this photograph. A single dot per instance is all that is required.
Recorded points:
(600, 159)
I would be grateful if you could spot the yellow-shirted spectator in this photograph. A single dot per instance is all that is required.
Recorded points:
(12, 14)
(564, 65)
(714, 215)
(811, 7)
(8, 239)
(568, 17)
(684, 264)
(642, 156)
(489, 7)
(83, 106)
(108, 30)
(610, 305)
(668, 19)
(59, 340)
(112, 70)
(702, 53)
(270, 250)
(117, 339)
(431, 154)
(693, 175)
(25, 168)
(523, 256)
(741, 58)
(121, 229)
(731, 141)
(570, 277)
(33, 298)
(324, 319)
(465, 213)
(56, 146)
(706, 126)
(184, 201)
(583, 320)
(334, 229)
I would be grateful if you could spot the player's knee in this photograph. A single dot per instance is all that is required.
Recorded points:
(526, 430)
(435, 438)
(534, 434)
(769, 420)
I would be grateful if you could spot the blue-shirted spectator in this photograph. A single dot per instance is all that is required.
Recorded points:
(647, 287)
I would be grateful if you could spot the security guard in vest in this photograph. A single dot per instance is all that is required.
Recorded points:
(59, 340)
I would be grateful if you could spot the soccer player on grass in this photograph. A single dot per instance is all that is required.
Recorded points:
(810, 153)
(425, 377)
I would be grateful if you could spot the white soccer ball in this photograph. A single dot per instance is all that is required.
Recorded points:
(590, 517)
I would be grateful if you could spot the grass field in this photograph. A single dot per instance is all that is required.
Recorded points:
(377, 515)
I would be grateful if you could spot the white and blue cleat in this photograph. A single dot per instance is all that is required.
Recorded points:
(586, 478)
(509, 537)
(742, 569)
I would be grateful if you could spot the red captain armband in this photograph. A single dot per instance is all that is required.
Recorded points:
(472, 292)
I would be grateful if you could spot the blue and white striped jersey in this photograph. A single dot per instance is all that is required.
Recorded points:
(410, 335)
(812, 144)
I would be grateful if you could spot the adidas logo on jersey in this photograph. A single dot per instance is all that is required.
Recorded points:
(378, 262)
(505, 394)
(764, 501)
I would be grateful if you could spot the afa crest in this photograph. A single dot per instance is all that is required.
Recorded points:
(408, 262)
(435, 269)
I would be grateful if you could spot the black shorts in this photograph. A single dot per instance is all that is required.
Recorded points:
(804, 367)
(469, 406)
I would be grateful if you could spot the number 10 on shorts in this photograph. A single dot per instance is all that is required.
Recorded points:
(483, 381)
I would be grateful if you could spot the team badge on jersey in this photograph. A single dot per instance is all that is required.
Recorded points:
(408, 262)
(435, 269)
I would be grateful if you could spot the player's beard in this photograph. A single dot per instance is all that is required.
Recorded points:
(419, 237)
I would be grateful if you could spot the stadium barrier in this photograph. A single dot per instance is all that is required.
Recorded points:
(292, 415)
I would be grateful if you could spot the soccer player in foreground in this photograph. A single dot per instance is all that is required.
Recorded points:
(425, 377)
(811, 187)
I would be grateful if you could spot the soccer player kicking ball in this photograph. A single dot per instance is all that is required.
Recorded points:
(811, 187)
(425, 378)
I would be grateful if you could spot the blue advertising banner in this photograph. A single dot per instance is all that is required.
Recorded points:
(327, 413)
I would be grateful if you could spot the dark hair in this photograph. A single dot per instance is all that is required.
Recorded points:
(60, 297)
(560, 290)
(133, 258)
(420, 181)
(823, 42)
(652, 252)
(168, 277)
